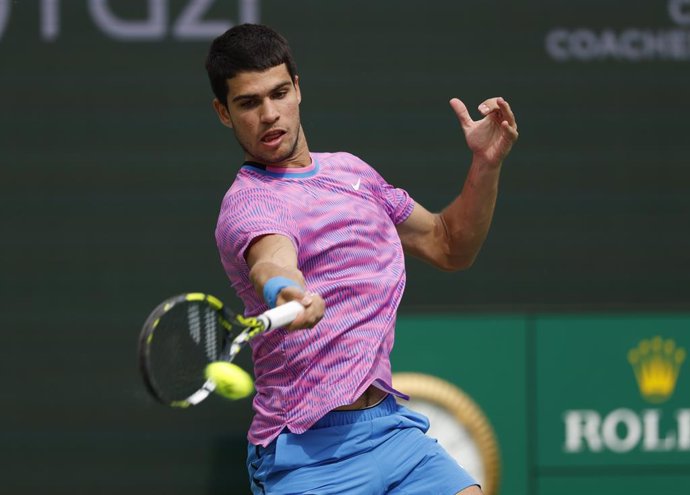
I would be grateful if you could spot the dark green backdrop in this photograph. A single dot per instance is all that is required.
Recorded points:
(112, 166)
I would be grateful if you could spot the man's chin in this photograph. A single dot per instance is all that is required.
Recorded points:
(271, 158)
(277, 158)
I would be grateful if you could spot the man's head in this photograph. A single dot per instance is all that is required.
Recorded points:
(257, 94)
(246, 48)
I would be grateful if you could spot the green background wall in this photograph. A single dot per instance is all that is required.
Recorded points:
(112, 166)
(526, 371)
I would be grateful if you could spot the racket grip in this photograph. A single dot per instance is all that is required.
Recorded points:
(281, 315)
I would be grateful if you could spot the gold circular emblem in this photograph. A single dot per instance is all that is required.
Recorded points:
(457, 422)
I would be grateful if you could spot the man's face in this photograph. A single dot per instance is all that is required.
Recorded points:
(263, 111)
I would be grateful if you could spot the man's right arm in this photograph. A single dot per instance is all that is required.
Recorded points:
(273, 256)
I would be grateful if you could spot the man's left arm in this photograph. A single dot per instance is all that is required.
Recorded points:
(451, 240)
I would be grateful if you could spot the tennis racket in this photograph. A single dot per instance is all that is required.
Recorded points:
(187, 332)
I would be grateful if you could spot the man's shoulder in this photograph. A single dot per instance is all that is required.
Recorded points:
(243, 189)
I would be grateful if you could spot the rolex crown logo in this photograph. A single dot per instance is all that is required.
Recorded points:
(656, 363)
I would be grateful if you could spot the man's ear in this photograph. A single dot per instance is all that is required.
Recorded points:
(299, 93)
(222, 112)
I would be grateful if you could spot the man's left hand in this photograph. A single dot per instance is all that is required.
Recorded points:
(491, 138)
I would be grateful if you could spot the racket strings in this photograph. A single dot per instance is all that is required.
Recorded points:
(194, 322)
(186, 339)
(211, 326)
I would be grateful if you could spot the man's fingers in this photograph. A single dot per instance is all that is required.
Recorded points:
(461, 111)
(488, 106)
(507, 112)
(306, 319)
(314, 307)
(500, 107)
(298, 322)
(510, 130)
(307, 299)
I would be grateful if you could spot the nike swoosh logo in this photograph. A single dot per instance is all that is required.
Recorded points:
(355, 186)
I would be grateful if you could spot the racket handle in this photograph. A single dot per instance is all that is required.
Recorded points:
(281, 315)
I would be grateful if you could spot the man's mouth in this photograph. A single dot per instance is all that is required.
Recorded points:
(272, 137)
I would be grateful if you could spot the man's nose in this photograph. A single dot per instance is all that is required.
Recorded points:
(269, 112)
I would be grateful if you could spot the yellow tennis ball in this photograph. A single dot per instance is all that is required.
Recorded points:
(231, 381)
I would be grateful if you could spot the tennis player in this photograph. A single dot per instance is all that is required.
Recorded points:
(327, 230)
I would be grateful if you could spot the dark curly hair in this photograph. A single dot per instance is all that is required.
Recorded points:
(247, 47)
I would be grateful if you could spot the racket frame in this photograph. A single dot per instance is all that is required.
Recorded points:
(252, 326)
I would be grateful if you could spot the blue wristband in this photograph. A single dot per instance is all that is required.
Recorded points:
(273, 286)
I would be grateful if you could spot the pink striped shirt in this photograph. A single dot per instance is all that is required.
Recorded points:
(340, 215)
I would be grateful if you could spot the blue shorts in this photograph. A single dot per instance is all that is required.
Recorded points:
(381, 449)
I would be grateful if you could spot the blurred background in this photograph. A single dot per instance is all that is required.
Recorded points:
(113, 165)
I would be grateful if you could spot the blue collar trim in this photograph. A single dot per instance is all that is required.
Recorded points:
(284, 173)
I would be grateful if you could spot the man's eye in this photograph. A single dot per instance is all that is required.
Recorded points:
(280, 95)
(248, 104)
